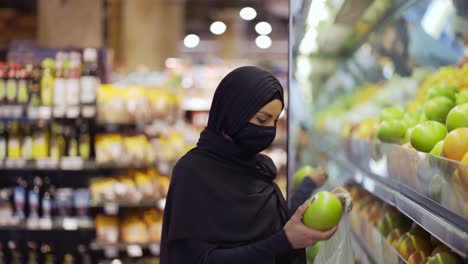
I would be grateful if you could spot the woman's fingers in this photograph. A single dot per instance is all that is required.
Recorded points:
(320, 235)
(300, 211)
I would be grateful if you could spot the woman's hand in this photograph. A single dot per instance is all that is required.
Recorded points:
(319, 176)
(341, 190)
(301, 236)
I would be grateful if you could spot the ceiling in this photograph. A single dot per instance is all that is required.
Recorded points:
(199, 14)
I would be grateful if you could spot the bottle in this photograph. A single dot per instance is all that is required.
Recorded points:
(73, 79)
(3, 81)
(47, 254)
(6, 208)
(3, 141)
(72, 141)
(16, 257)
(89, 78)
(68, 259)
(2, 255)
(27, 144)
(19, 197)
(47, 82)
(35, 85)
(40, 141)
(57, 142)
(84, 256)
(11, 85)
(33, 198)
(84, 139)
(59, 81)
(48, 199)
(23, 89)
(33, 257)
(14, 142)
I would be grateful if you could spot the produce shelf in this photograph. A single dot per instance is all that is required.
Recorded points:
(398, 176)
(360, 251)
(369, 245)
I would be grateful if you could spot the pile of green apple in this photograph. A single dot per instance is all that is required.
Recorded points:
(439, 126)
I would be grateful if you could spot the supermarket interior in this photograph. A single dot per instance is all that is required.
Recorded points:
(100, 98)
(98, 101)
(377, 92)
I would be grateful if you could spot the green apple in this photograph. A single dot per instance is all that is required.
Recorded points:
(437, 149)
(427, 134)
(392, 131)
(408, 134)
(392, 113)
(444, 258)
(442, 89)
(438, 108)
(462, 98)
(313, 251)
(457, 117)
(301, 174)
(324, 211)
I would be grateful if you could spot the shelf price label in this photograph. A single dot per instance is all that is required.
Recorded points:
(88, 111)
(73, 112)
(155, 249)
(59, 111)
(134, 251)
(111, 251)
(47, 163)
(72, 163)
(111, 208)
(44, 112)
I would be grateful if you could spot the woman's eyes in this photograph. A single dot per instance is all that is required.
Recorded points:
(261, 120)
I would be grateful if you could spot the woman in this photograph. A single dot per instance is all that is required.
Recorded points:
(223, 206)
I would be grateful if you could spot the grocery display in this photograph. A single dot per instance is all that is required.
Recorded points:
(84, 160)
(390, 116)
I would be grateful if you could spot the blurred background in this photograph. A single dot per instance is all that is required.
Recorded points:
(98, 100)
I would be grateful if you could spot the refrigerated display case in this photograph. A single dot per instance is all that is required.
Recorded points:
(351, 63)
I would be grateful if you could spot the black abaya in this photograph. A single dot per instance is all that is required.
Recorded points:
(222, 205)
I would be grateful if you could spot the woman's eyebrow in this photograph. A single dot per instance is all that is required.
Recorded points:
(267, 114)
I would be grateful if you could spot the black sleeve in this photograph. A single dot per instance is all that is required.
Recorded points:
(302, 193)
(200, 252)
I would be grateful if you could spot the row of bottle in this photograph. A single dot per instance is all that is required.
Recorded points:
(40, 199)
(41, 253)
(43, 140)
(61, 82)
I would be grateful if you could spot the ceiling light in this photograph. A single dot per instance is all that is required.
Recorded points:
(263, 28)
(218, 28)
(263, 42)
(191, 41)
(248, 13)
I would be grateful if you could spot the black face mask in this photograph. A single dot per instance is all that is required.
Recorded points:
(254, 138)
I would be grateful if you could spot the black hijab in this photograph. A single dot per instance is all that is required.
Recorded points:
(218, 194)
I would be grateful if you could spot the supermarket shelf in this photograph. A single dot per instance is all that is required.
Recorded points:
(360, 251)
(133, 250)
(63, 164)
(446, 225)
(56, 233)
(113, 208)
(26, 113)
(369, 246)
